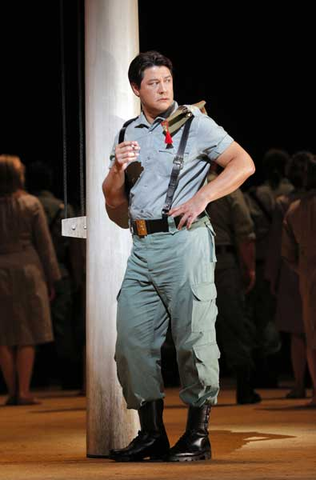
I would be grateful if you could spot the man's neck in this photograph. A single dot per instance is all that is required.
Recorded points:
(151, 117)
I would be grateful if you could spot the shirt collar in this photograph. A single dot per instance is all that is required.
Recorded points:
(143, 122)
(168, 112)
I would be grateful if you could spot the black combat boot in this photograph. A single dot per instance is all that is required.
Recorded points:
(194, 443)
(151, 442)
(245, 394)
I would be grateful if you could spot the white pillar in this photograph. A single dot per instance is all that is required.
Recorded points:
(111, 32)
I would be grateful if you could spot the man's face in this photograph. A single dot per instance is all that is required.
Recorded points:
(156, 90)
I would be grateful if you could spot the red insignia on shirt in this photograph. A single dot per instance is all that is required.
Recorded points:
(168, 139)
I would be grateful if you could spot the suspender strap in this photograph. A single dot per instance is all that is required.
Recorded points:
(123, 129)
(120, 140)
(177, 166)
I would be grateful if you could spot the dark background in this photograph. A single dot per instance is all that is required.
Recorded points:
(252, 66)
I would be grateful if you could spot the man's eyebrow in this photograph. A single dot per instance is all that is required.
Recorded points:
(155, 79)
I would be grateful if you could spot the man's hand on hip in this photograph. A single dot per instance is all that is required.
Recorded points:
(189, 210)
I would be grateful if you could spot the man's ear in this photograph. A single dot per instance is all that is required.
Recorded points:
(135, 89)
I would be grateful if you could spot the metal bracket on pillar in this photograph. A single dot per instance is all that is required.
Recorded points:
(74, 227)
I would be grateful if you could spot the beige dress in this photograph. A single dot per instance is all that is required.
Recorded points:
(281, 276)
(299, 250)
(27, 263)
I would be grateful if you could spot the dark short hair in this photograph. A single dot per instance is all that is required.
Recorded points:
(146, 60)
(297, 167)
(311, 173)
(274, 165)
(11, 174)
(275, 159)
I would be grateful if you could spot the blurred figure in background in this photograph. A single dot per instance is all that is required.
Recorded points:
(299, 250)
(64, 311)
(284, 282)
(260, 302)
(234, 276)
(28, 272)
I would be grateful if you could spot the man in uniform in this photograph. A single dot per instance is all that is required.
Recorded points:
(234, 276)
(170, 273)
(261, 305)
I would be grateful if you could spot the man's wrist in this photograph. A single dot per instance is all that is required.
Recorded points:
(116, 170)
(202, 196)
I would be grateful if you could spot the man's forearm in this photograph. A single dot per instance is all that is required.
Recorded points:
(234, 175)
(114, 188)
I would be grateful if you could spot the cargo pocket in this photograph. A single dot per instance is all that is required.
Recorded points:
(206, 362)
(204, 308)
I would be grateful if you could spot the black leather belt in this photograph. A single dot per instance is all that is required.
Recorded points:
(147, 227)
(224, 249)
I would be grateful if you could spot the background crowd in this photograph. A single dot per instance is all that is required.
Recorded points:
(265, 280)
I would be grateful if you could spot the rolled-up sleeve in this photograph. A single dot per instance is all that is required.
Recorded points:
(212, 139)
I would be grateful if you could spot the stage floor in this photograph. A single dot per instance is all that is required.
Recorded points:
(275, 439)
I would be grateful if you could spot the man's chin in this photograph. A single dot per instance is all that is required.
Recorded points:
(163, 105)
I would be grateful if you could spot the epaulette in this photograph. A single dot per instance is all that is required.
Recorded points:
(177, 119)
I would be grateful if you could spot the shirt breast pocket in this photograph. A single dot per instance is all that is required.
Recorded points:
(166, 157)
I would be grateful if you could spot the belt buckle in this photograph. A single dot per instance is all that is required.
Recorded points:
(141, 228)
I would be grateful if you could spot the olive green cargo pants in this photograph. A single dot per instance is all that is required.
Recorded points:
(169, 277)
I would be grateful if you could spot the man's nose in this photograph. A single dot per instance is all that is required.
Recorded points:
(162, 87)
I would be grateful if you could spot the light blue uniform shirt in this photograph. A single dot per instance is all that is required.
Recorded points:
(206, 142)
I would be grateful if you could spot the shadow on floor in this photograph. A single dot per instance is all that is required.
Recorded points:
(224, 442)
(227, 441)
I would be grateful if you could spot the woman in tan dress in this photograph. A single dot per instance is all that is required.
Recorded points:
(28, 270)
